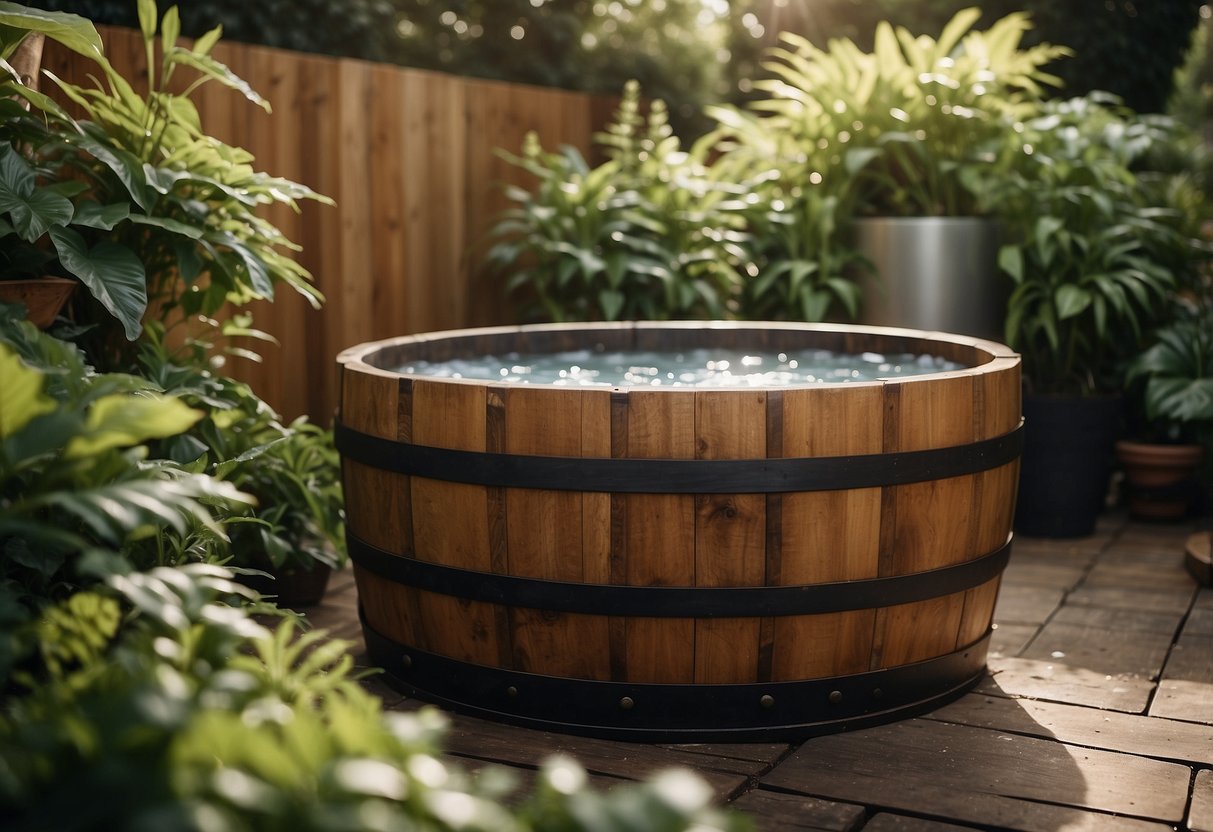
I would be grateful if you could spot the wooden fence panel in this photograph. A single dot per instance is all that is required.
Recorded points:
(408, 155)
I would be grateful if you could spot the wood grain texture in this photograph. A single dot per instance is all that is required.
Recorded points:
(829, 535)
(730, 533)
(547, 533)
(660, 538)
(451, 522)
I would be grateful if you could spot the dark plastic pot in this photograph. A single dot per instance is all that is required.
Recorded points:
(1067, 457)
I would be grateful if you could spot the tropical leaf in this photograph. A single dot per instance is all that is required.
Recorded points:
(32, 211)
(23, 399)
(73, 31)
(217, 71)
(112, 273)
(119, 421)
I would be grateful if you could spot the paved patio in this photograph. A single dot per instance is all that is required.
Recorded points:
(1097, 714)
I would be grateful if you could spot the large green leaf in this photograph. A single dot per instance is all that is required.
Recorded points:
(1180, 399)
(124, 164)
(1010, 260)
(104, 217)
(611, 303)
(1071, 301)
(32, 210)
(23, 398)
(112, 273)
(114, 512)
(217, 71)
(73, 31)
(120, 421)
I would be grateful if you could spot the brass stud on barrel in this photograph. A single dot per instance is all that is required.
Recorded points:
(511, 691)
(406, 661)
(835, 697)
(626, 703)
(767, 701)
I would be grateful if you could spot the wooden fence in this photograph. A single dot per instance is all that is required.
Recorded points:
(408, 157)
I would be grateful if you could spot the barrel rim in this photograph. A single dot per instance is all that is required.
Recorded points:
(998, 357)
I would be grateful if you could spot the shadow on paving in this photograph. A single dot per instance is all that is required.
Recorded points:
(985, 761)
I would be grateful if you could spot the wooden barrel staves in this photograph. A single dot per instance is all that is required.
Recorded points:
(680, 564)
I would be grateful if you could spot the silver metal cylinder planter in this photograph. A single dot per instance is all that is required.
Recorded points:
(933, 273)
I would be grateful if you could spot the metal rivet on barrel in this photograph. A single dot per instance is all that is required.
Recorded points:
(878, 694)
(406, 662)
(767, 701)
(511, 691)
(626, 703)
(835, 696)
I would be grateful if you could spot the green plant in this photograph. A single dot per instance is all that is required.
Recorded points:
(648, 234)
(151, 702)
(142, 176)
(50, 210)
(292, 470)
(79, 495)
(1082, 259)
(1177, 373)
(918, 124)
(799, 264)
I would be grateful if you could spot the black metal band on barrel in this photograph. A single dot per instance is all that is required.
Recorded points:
(759, 711)
(678, 476)
(678, 602)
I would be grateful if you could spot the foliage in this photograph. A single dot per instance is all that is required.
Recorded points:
(292, 470)
(231, 726)
(918, 122)
(1127, 48)
(147, 180)
(796, 209)
(650, 233)
(78, 492)
(50, 208)
(1177, 371)
(1086, 244)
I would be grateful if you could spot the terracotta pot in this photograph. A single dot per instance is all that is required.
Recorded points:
(1156, 476)
(42, 297)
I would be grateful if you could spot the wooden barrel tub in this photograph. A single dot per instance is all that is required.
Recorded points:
(677, 564)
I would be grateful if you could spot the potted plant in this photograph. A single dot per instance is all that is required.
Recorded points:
(1175, 379)
(1086, 282)
(161, 223)
(133, 199)
(288, 546)
(919, 130)
(42, 213)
